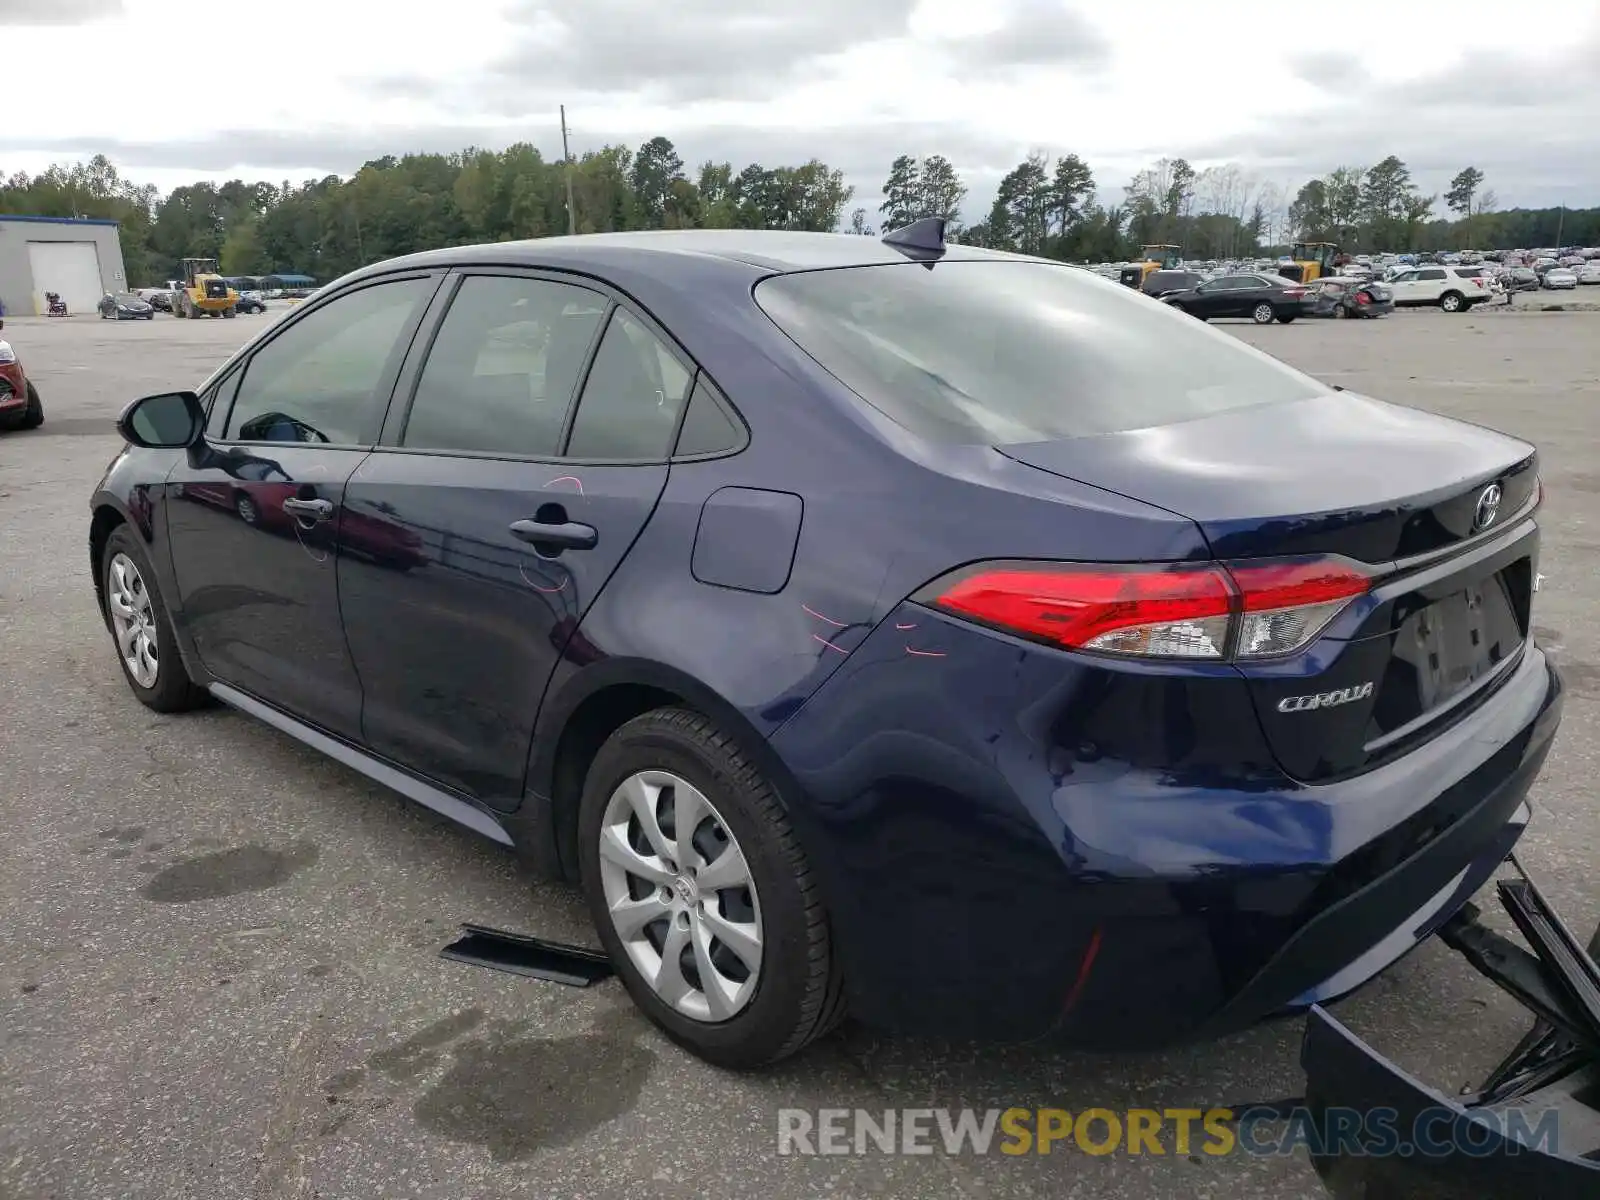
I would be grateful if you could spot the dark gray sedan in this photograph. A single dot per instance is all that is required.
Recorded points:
(125, 306)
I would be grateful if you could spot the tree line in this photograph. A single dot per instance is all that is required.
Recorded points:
(1046, 205)
(1052, 206)
(393, 206)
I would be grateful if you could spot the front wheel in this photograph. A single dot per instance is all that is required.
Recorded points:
(1452, 302)
(147, 648)
(33, 413)
(1262, 314)
(702, 895)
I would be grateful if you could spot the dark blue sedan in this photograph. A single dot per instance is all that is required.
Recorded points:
(953, 638)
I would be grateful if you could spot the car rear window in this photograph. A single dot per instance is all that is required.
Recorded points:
(1003, 352)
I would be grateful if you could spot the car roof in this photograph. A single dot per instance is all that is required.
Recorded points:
(768, 250)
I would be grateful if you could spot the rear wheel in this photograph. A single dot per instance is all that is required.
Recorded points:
(702, 895)
(1262, 314)
(1452, 302)
(141, 629)
(227, 312)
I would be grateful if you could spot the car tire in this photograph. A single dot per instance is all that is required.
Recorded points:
(138, 618)
(244, 504)
(1453, 302)
(750, 1016)
(33, 411)
(1262, 314)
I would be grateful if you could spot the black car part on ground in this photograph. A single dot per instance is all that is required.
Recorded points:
(519, 954)
(1532, 1129)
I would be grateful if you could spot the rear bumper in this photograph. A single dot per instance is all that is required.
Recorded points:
(1014, 841)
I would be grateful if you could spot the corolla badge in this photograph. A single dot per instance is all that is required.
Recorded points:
(1488, 508)
(1290, 704)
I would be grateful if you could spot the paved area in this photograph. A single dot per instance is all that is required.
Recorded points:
(218, 951)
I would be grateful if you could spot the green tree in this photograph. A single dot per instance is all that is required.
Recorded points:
(656, 170)
(941, 192)
(242, 252)
(902, 193)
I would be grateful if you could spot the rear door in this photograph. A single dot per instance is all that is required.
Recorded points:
(1432, 282)
(495, 511)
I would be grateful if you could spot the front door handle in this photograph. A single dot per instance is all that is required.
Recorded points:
(556, 536)
(308, 510)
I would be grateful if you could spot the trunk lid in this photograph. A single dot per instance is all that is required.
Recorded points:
(1399, 490)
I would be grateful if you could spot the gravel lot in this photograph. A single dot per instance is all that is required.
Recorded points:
(218, 971)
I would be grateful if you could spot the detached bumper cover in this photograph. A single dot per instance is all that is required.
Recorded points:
(1532, 1129)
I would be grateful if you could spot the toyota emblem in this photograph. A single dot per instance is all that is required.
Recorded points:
(1488, 508)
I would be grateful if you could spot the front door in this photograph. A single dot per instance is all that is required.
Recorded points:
(254, 513)
(488, 540)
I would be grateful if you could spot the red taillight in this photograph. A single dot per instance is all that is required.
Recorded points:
(1294, 293)
(1246, 611)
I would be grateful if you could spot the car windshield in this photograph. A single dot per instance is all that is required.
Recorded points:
(127, 298)
(1002, 352)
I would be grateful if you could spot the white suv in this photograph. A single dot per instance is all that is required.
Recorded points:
(1454, 289)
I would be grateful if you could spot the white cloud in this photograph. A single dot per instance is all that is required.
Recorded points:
(301, 88)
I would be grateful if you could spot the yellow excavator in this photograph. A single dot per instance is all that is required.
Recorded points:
(204, 292)
(1313, 261)
(1151, 258)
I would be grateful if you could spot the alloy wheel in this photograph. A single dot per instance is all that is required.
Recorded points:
(133, 620)
(681, 896)
(1263, 314)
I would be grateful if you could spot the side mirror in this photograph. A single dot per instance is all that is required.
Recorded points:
(168, 421)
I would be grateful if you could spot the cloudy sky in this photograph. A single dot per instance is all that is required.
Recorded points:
(318, 86)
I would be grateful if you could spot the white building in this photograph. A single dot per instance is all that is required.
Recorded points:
(79, 258)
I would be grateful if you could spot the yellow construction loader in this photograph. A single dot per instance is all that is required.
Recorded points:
(1313, 261)
(1151, 258)
(204, 292)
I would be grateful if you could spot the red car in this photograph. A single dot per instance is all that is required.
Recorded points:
(19, 399)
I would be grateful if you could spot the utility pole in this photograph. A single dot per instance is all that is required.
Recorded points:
(566, 159)
(1561, 223)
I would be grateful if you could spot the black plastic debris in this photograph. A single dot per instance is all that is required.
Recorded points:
(536, 958)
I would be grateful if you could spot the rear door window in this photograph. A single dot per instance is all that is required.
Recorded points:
(501, 372)
(632, 397)
(1000, 352)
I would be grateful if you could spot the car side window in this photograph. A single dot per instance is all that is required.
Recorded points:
(501, 372)
(707, 426)
(319, 380)
(631, 400)
(1433, 274)
(220, 404)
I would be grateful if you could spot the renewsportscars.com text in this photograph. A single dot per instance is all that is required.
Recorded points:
(1377, 1132)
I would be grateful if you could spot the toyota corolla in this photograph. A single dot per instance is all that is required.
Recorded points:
(953, 638)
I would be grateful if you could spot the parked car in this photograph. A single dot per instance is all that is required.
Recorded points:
(1260, 298)
(125, 306)
(856, 719)
(158, 300)
(1343, 296)
(20, 407)
(1520, 279)
(1163, 283)
(1561, 279)
(1589, 273)
(1453, 289)
(251, 302)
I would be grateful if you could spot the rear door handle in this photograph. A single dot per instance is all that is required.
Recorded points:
(562, 535)
(308, 510)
